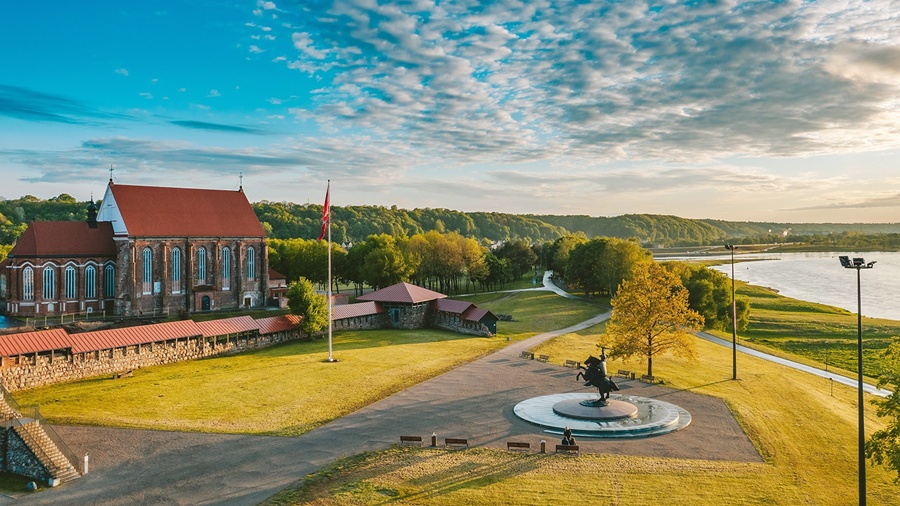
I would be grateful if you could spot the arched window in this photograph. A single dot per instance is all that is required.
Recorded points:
(109, 281)
(70, 283)
(147, 277)
(176, 270)
(226, 268)
(49, 283)
(251, 263)
(28, 284)
(90, 282)
(201, 266)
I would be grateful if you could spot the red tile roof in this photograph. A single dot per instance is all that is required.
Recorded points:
(65, 238)
(152, 211)
(277, 324)
(355, 310)
(452, 306)
(130, 336)
(402, 292)
(226, 326)
(33, 342)
(273, 274)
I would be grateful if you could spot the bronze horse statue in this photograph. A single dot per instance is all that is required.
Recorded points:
(595, 375)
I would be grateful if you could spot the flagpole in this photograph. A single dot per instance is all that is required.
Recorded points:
(328, 225)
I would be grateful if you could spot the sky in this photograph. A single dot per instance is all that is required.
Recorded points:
(742, 111)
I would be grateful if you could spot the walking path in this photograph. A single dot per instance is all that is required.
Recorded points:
(474, 401)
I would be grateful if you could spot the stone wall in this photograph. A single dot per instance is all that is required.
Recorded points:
(21, 460)
(408, 317)
(454, 323)
(368, 322)
(35, 370)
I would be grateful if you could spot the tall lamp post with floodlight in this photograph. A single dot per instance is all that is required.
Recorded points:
(731, 248)
(859, 264)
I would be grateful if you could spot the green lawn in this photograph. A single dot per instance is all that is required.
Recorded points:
(806, 436)
(290, 389)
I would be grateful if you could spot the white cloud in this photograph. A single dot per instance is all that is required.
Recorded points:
(214, 93)
(255, 49)
(122, 71)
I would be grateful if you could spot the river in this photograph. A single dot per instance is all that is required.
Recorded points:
(819, 277)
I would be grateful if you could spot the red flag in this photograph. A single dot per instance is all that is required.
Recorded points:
(325, 212)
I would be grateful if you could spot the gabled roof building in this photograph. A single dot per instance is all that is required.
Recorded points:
(146, 250)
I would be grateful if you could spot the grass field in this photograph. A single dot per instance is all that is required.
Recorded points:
(289, 389)
(806, 436)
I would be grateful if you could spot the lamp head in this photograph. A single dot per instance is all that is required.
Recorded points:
(845, 261)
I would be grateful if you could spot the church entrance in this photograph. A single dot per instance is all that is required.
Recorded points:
(204, 303)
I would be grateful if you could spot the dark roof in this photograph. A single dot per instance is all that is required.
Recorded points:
(152, 211)
(402, 292)
(65, 238)
(354, 310)
(452, 306)
(273, 274)
(476, 314)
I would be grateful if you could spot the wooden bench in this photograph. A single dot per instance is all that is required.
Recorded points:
(411, 440)
(516, 446)
(648, 378)
(572, 363)
(455, 443)
(623, 373)
(126, 374)
(543, 358)
(570, 449)
(528, 355)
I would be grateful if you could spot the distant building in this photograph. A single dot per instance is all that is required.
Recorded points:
(146, 250)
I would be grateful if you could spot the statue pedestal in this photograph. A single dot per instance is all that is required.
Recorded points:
(613, 410)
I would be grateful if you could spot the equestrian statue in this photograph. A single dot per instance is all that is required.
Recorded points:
(595, 375)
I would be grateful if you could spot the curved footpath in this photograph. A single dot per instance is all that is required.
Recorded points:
(474, 401)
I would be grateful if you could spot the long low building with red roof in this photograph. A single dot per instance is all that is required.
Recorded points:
(31, 359)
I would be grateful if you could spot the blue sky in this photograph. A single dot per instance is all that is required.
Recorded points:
(749, 111)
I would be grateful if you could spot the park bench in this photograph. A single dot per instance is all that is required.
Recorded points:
(625, 374)
(572, 363)
(570, 449)
(411, 440)
(543, 358)
(528, 355)
(455, 443)
(648, 378)
(516, 446)
(126, 374)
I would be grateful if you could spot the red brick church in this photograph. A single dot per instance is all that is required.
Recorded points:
(146, 250)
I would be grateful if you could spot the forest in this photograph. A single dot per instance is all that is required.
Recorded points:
(351, 224)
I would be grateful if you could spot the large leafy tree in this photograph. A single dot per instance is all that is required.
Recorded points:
(883, 447)
(312, 307)
(651, 316)
(600, 265)
(710, 295)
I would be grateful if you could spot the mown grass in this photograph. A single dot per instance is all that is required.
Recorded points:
(290, 389)
(806, 436)
(818, 333)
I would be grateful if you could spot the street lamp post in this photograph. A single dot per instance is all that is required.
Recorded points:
(732, 247)
(859, 264)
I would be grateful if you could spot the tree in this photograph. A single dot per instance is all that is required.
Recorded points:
(651, 316)
(883, 447)
(710, 295)
(309, 305)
